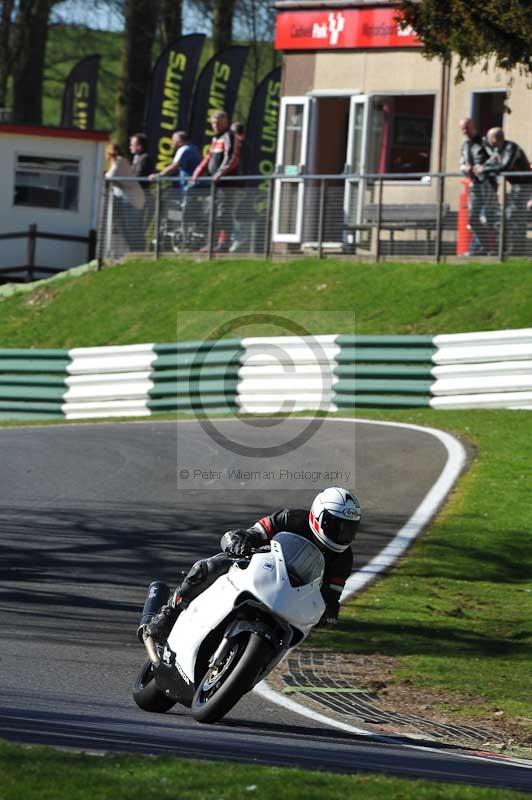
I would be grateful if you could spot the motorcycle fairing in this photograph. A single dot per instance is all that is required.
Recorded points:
(266, 579)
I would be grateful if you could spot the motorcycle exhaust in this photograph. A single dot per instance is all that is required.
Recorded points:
(157, 595)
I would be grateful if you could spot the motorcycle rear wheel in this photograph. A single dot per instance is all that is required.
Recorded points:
(147, 694)
(230, 679)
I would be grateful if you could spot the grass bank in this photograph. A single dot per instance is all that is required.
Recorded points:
(29, 772)
(454, 615)
(147, 301)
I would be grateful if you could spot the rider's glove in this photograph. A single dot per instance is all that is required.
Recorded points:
(238, 542)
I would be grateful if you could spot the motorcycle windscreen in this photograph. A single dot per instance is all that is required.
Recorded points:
(304, 562)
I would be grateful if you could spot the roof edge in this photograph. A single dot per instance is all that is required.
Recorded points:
(54, 132)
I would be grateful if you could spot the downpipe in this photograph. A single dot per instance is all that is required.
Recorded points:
(153, 655)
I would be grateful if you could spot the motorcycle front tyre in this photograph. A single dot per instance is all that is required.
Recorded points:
(146, 693)
(215, 696)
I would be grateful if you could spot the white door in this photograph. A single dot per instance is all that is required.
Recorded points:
(292, 149)
(357, 147)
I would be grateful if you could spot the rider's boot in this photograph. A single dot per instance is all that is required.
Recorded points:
(162, 623)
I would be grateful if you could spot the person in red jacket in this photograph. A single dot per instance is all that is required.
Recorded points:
(220, 161)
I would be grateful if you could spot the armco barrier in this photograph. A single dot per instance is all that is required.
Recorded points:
(268, 375)
(195, 376)
(108, 381)
(287, 373)
(491, 369)
(32, 383)
(383, 371)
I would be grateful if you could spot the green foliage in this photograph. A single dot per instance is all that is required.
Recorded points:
(474, 30)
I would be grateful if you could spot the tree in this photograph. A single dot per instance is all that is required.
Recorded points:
(170, 20)
(6, 12)
(31, 33)
(474, 30)
(140, 18)
(223, 12)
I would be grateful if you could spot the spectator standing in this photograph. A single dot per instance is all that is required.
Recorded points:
(141, 162)
(508, 156)
(185, 160)
(482, 193)
(221, 160)
(128, 197)
(142, 165)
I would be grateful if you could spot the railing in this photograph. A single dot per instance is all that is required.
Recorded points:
(12, 274)
(376, 217)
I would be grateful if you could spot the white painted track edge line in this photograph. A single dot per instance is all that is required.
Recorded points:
(425, 511)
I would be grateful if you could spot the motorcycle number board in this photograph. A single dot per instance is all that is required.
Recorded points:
(353, 28)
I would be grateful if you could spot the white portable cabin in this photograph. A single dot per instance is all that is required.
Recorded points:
(52, 179)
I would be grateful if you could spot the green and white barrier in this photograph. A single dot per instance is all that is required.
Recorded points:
(270, 375)
(195, 376)
(32, 383)
(383, 371)
(287, 373)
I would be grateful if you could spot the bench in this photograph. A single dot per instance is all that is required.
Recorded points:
(400, 217)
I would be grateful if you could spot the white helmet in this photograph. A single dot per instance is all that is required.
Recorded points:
(334, 517)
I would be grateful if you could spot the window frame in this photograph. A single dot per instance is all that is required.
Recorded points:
(421, 93)
(77, 159)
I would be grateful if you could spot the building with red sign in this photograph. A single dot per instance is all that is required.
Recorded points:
(359, 97)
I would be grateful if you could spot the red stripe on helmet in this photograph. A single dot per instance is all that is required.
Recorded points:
(313, 522)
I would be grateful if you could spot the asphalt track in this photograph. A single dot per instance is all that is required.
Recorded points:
(89, 514)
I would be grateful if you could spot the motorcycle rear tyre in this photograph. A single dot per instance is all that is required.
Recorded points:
(253, 652)
(146, 693)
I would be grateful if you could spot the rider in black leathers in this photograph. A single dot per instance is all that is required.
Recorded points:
(330, 524)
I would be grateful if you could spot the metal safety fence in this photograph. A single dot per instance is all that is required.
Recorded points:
(376, 217)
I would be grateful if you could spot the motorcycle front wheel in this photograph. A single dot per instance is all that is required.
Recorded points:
(147, 694)
(230, 678)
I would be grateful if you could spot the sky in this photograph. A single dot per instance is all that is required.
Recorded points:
(82, 13)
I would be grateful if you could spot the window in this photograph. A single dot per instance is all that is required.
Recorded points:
(400, 137)
(47, 182)
(487, 109)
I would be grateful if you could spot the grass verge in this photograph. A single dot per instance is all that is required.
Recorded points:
(57, 775)
(455, 613)
(148, 301)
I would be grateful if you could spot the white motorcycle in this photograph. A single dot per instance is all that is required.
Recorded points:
(234, 633)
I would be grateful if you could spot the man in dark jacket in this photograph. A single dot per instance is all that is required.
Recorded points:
(331, 524)
(141, 160)
(507, 156)
(482, 193)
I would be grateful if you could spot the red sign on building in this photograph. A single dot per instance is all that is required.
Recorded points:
(353, 28)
